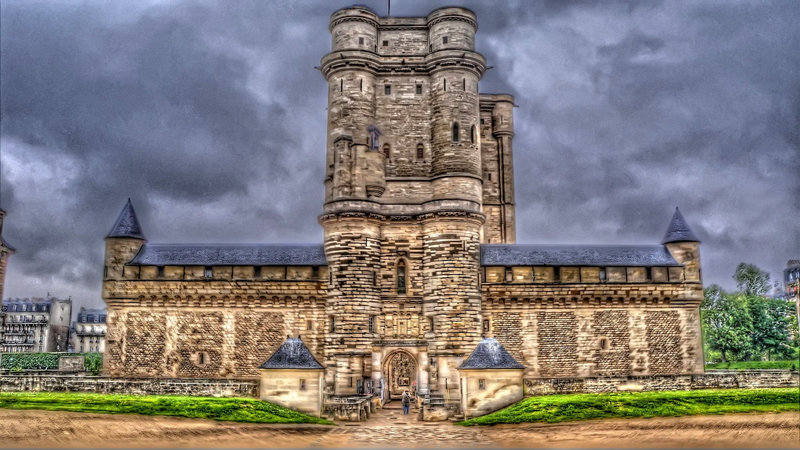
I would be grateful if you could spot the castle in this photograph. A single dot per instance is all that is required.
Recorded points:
(418, 261)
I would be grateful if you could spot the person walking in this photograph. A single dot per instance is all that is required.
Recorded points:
(406, 402)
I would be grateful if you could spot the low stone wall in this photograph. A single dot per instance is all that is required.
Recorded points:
(716, 379)
(142, 386)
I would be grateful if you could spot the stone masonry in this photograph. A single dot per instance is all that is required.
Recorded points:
(419, 260)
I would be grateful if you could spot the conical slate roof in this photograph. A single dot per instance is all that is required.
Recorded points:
(490, 354)
(678, 230)
(292, 354)
(127, 226)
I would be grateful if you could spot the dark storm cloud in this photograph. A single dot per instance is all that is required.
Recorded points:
(211, 117)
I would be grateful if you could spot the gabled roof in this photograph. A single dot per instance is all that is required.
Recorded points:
(230, 255)
(575, 255)
(490, 354)
(292, 354)
(678, 230)
(126, 226)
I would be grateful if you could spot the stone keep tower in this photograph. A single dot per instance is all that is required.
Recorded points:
(418, 174)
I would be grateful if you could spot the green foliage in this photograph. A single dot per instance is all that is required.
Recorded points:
(747, 365)
(727, 325)
(17, 362)
(746, 325)
(563, 408)
(231, 409)
(750, 280)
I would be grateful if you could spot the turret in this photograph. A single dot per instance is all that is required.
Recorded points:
(5, 250)
(684, 246)
(122, 243)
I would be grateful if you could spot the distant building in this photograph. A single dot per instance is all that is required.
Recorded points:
(88, 333)
(5, 250)
(791, 277)
(36, 325)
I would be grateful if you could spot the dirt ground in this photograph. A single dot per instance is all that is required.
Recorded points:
(389, 428)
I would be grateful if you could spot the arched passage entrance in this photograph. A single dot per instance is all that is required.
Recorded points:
(399, 373)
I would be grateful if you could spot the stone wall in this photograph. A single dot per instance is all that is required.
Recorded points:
(231, 337)
(565, 338)
(142, 386)
(734, 379)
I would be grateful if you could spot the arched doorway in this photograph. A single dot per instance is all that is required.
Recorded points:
(399, 374)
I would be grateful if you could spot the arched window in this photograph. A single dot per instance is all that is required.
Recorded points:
(387, 151)
(472, 135)
(420, 151)
(401, 277)
(455, 132)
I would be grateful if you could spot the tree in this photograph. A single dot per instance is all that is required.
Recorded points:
(726, 323)
(750, 280)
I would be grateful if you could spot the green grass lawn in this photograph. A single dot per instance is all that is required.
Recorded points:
(744, 365)
(570, 407)
(233, 409)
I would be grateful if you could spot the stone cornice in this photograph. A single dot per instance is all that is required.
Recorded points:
(379, 64)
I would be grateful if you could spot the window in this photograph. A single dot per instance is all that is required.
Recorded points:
(648, 274)
(302, 384)
(371, 324)
(603, 344)
(361, 85)
(309, 325)
(489, 176)
(472, 136)
(385, 43)
(464, 84)
(455, 132)
(349, 381)
(401, 277)
(361, 41)
(207, 272)
(444, 39)
(387, 89)
(420, 151)
(509, 275)
(481, 383)
(105, 271)
(445, 84)
(387, 151)
(486, 325)
(603, 276)
(257, 272)
(333, 324)
(419, 89)
(430, 323)
(160, 271)
(315, 272)
(341, 85)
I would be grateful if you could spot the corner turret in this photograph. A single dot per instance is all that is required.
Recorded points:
(122, 243)
(684, 246)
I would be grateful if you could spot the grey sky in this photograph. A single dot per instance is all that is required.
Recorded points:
(211, 117)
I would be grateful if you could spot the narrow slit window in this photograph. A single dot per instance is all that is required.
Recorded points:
(455, 132)
(472, 136)
(341, 85)
(361, 41)
(420, 151)
(257, 272)
(445, 84)
(333, 324)
(361, 85)
(302, 384)
(315, 272)
(481, 383)
(444, 39)
(419, 89)
(603, 275)
(387, 89)
(401, 277)
(387, 151)
(160, 271)
(464, 84)
(208, 272)
(309, 325)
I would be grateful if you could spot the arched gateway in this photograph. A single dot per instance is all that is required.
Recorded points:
(399, 374)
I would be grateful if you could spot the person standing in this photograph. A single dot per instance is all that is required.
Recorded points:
(406, 402)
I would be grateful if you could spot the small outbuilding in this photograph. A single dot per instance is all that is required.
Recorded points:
(293, 378)
(490, 379)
